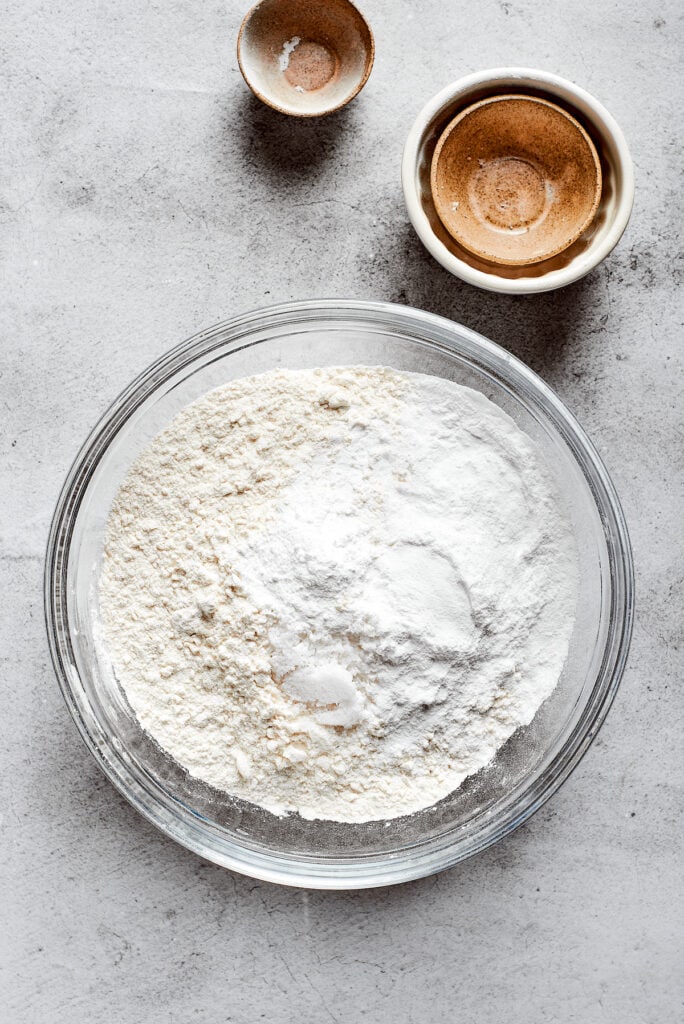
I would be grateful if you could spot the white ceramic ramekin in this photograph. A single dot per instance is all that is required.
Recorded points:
(590, 249)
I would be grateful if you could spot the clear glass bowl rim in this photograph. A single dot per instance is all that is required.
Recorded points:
(190, 829)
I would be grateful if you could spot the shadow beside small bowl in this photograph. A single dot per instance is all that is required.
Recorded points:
(305, 59)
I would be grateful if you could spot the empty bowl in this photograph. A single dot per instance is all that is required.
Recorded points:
(304, 58)
(593, 244)
(515, 179)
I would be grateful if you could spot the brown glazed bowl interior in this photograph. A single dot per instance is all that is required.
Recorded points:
(515, 179)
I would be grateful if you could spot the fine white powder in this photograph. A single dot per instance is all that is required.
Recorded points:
(288, 48)
(338, 591)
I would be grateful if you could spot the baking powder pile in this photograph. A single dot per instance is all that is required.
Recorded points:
(338, 591)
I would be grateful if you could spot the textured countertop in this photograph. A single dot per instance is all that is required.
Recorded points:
(144, 193)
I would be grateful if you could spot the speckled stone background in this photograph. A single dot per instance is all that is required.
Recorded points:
(144, 194)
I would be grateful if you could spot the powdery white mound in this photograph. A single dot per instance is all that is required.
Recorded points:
(338, 591)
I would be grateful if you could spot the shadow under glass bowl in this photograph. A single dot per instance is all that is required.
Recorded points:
(528, 768)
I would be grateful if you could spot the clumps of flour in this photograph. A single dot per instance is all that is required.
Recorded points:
(289, 46)
(338, 591)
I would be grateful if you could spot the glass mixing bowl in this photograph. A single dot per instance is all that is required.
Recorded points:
(531, 765)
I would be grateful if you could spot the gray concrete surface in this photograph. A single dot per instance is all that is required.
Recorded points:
(144, 194)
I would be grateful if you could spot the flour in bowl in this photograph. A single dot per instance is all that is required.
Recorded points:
(338, 591)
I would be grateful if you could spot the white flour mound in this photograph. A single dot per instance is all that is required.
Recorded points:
(338, 591)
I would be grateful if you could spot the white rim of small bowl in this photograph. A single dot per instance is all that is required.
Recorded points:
(557, 86)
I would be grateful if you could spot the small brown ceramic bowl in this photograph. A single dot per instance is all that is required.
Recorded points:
(515, 179)
(305, 58)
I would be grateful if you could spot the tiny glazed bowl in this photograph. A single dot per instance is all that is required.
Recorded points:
(515, 179)
(303, 58)
(593, 244)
